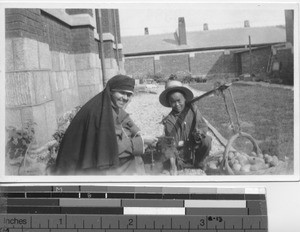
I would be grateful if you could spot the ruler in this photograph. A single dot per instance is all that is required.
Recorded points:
(132, 209)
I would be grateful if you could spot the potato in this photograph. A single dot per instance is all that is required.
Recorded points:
(265, 155)
(257, 166)
(220, 159)
(212, 165)
(251, 160)
(236, 167)
(231, 162)
(243, 160)
(235, 161)
(253, 153)
(254, 167)
(268, 158)
(246, 168)
(256, 160)
(230, 155)
(243, 154)
(274, 161)
(260, 156)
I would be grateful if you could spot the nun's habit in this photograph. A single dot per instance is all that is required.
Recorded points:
(101, 139)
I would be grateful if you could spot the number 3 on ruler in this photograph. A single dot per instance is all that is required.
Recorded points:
(202, 222)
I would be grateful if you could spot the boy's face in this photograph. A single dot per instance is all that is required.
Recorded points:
(177, 101)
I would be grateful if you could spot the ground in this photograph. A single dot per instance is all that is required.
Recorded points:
(147, 113)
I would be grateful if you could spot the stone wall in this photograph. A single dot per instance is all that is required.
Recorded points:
(52, 65)
(28, 86)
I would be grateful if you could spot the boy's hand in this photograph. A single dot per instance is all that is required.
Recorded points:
(149, 140)
(198, 135)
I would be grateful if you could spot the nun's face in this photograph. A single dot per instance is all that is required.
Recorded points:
(177, 101)
(120, 98)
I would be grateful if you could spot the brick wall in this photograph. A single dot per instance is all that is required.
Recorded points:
(41, 26)
(51, 67)
(174, 64)
(113, 56)
(286, 58)
(107, 22)
(259, 61)
(207, 64)
(24, 23)
(79, 11)
(139, 67)
(213, 63)
(58, 34)
(117, 25)
(83, 40)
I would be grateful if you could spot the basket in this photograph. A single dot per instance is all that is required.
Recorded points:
(225, 169)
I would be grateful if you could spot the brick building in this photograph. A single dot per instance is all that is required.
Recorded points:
(209, 53)
(57, 59)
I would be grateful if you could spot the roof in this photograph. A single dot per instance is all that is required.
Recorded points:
(243, 50)
(203, 40)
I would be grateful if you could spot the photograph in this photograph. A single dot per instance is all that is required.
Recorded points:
(150, 92)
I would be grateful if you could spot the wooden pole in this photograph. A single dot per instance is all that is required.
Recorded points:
(116, 37)
(250, 55)
(100, 47)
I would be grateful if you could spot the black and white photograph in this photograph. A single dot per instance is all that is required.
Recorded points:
(150, 91)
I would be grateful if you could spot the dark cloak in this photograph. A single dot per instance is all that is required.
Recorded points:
(90, 140)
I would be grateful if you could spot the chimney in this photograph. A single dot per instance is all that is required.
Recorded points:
(181, 31)
(146, 31)
(289, 26)
(205, 27)
(246, 23)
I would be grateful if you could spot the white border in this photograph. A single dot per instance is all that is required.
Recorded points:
(145, 179)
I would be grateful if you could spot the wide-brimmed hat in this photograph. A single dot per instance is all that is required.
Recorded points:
(173, 86)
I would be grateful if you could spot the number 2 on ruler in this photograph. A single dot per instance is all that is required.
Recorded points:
(130, 223)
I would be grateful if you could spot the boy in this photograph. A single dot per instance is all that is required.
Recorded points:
(185, 124)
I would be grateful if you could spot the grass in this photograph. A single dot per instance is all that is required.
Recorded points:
(266, 113)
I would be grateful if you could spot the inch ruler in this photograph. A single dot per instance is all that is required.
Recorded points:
(131, 209)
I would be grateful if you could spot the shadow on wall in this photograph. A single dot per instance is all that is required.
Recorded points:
(214, 65)
(204, 64)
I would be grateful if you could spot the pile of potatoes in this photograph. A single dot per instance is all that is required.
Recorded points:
(241, 162)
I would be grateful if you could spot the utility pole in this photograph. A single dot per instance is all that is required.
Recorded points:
(100, 46)
(250, 55)
(116, 37)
